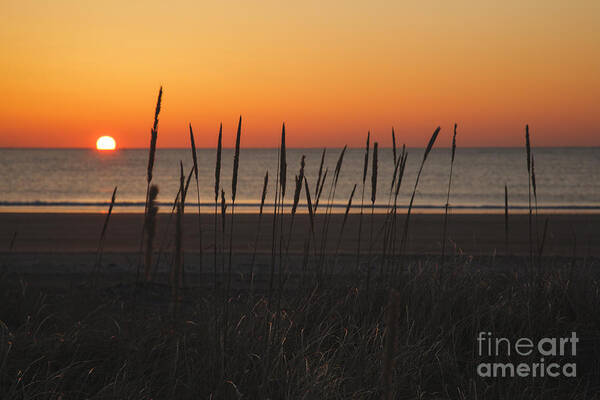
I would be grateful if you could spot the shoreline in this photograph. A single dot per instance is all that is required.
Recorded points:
(137, 208)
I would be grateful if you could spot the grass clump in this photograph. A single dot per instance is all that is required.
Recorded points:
(331, 341)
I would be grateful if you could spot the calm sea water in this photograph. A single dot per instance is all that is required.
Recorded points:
(82, 180)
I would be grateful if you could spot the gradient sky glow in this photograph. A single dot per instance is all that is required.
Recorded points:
(72, 71)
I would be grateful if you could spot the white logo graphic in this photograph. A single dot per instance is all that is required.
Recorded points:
(554, 348)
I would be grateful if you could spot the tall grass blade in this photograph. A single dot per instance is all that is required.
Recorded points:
(412, 198)
(236, 161)
(362, 200)
(535, 199)
(344, 220)
(444, 236)
(223, 224)
(528, 151)
(259, 224)
(195, 159)
(328, 210)
(217, 189)
(298, 189)
(399, 179)
(338, 165)
(165, 235)
(282, 164)
(373, 198)
(176, 270)
(218, 163)
(11, 246)
(236, 166)
(311, 217)
(275, 212)
(100, 250)
(394, 145)
(400, 176)
(108, 214)
(151, 157)
(150, 230)
(319, 190)
(374, 175)
(310, 207)
(153, 137)
(320, 176)
(264, 192)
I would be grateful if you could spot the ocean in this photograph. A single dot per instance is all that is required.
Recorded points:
(46, 180)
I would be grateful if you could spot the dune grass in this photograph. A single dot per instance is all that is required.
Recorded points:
(195, 167)
(100, 251)
(447, 205)
(331, 342)
(357, 335)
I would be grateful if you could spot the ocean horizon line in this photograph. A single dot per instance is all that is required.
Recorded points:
(292, 147)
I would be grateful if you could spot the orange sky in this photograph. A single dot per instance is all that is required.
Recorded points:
(72, 71)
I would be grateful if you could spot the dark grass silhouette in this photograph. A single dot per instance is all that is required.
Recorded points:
(258, 229)
(343, 335)
(445, 230)
(195, 160)
(149, 173)
(404, 241)
(330, 343)
(100, 251)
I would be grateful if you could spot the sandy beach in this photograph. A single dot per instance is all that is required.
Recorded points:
(471, 234)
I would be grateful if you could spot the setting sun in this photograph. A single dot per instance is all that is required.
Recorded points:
(106, 143)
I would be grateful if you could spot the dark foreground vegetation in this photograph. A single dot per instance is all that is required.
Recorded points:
(390, 326)
(331, 340)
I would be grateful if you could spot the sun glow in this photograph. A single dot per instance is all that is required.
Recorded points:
(106, 143)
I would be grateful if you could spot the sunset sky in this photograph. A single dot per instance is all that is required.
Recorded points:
(72, 71)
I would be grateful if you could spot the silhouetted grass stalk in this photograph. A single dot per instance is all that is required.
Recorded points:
(277, 232)
(283, 185)
(373, 198)
(362, 201)
(195, 159)
(165, 235)
(299, 180)
(387, 223)
(176, 270)
(100, 250)
(328, 210)
(234, 179)
(535, 200)
(150, 231)
(149, 172)
(444, 236)
(528, 151)
(341, 235)
(394, 146)
(412, 198)
(398, 184)
(275, 211)
(259, 225)
(319, 192)
(320, 178)
(217, 189)
(311, 235)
